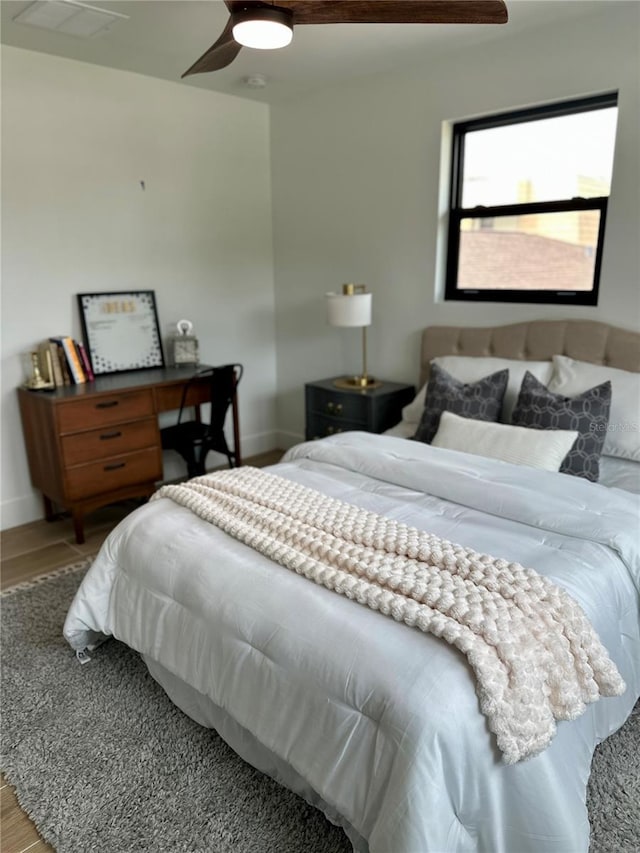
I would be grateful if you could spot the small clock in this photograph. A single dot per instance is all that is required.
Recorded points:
(184, 345)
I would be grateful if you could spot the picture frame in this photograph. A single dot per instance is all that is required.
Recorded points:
(121, 330)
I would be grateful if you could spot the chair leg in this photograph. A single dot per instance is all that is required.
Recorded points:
(196, 468)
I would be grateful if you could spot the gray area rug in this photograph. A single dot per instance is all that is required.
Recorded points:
(102, 761)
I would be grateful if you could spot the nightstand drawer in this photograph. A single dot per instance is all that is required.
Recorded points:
(109, 441)
(106, 409)
(114, 473)
(318, 426)
(350, 407)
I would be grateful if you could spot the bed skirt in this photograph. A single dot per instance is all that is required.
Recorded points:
(200, 708)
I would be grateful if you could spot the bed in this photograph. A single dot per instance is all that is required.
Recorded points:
(375, 723)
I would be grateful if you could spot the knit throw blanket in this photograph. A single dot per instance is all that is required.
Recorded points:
(535, 656)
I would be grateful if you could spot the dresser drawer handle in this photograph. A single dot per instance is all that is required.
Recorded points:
(114, 466)
(106, 435)
(333, 430)
(107, 405)
(334, 408)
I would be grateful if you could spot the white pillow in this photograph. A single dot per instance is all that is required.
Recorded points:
(467, 368)
(571, 377)
(412, 413)
(404, 430)
(537, 448)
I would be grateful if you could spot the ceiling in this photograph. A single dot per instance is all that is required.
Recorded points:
(162, 38)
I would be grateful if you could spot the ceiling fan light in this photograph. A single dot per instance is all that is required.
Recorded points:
(263, 28)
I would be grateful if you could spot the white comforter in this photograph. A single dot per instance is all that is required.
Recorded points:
(381, 722)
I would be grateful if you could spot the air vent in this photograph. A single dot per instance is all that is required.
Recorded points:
(69, 17)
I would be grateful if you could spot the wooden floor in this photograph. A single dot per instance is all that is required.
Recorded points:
(35, 549)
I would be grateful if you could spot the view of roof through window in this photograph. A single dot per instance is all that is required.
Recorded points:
(530, 201)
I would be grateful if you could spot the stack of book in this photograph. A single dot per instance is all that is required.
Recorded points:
(64, 361)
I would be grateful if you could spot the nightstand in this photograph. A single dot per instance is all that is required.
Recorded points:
(330, 410)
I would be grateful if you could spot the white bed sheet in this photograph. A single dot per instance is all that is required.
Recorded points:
(380, 723)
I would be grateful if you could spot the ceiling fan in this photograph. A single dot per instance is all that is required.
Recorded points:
(266, 25)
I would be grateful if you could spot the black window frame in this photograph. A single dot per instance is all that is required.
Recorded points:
(457, 213)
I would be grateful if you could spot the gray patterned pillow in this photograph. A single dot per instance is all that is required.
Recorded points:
(481, 400)
(539, 408)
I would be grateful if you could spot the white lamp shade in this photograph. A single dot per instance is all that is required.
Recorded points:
(352, 310)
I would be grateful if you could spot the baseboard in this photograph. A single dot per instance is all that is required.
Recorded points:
(17, 511)
(259, 443)
(285, 439)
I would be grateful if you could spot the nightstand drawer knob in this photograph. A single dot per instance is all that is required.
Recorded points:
(333, 430)
(334, 408)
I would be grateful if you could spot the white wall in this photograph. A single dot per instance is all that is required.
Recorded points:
(358, 196)
(77, 140)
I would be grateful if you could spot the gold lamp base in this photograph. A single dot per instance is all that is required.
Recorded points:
(364, 383)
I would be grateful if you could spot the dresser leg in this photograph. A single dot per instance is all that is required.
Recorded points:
(49, 514)
(78, 525)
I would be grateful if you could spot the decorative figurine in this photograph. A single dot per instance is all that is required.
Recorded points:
(36, 381)
(184, 345)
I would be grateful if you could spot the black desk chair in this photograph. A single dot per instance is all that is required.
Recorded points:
(193, 439)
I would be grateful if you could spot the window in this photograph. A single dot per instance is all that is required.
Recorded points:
(529, 192)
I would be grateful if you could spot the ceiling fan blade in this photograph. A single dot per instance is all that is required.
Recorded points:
(219, 55)
(394, 11)
(226, 48)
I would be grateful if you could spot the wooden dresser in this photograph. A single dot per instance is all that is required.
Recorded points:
(86, 453)
(92, 444)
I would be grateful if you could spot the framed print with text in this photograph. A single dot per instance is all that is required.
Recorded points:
(121, 330)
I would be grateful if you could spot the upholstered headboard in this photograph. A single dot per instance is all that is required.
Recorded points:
(539, 340)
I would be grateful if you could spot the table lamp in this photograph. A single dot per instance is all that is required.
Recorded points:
(352, 308)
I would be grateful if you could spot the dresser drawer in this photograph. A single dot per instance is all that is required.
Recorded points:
(114, 473)
(106, 409)
(109, 441)
(333, 404)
